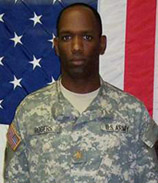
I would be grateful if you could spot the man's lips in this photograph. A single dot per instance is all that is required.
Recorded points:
(78, 61)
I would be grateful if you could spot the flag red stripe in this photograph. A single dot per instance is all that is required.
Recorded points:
(139, 50)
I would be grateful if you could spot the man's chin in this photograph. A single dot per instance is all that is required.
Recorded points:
(77, 73)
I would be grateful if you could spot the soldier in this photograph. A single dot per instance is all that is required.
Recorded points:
(81, 129)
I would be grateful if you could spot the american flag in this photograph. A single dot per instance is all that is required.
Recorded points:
(28, 61)
(13, 137)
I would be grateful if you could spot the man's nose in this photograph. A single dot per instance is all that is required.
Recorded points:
(77, 44)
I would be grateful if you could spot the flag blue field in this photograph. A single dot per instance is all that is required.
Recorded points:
(27, 57)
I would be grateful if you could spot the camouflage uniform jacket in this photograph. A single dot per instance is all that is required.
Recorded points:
(110, 142)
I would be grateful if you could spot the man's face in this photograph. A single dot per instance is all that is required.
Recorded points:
(79, 43)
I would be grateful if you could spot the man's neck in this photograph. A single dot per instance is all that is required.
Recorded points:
(81, 85)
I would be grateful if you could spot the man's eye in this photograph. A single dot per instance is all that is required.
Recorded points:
(87, 37)
(65, 37)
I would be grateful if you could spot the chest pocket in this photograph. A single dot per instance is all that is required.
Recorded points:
(40, 139)
(117, 136)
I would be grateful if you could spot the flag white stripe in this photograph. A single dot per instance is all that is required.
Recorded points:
(113, 15)
(155, 104)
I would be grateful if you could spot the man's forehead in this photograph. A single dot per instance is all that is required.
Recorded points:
(85, 11)
(79, 15)
(78, 7)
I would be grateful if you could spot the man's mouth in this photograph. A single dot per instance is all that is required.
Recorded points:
(78, 61)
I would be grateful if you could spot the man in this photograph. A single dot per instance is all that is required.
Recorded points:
(81, 129)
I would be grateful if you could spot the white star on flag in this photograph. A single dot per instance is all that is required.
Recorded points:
(52, 81)
(16, 39)
(35, 62)
(54, 1)
(52, 40)
(1, 58)
(16, 82)
(1, 17)
(36, 19)
(1, 103)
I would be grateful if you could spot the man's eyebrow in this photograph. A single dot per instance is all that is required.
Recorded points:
(80, 32)
(65, 32)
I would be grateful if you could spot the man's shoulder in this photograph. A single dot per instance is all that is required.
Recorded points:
(41, 96)
(45, 91)
(119, 95)
(35, 106)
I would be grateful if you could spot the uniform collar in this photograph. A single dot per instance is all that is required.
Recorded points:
(63, 111)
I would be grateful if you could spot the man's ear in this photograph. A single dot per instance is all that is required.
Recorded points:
(56, 46)
(103, 42)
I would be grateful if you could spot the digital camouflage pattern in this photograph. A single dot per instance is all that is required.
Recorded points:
(110, 142)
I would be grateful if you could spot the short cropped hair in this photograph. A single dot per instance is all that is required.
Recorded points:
(94, 11)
